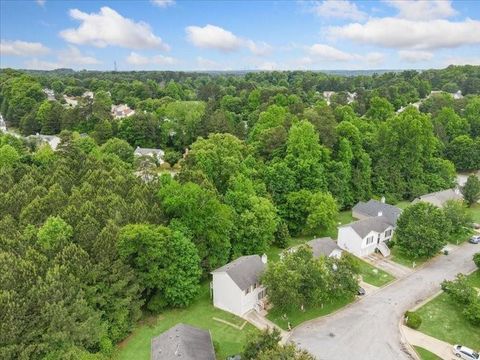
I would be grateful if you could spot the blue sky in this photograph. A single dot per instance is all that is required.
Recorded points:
(238, 35)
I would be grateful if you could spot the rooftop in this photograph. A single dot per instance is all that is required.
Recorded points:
(363, 227)
(373, 207)
(244, 271)
(440, 197)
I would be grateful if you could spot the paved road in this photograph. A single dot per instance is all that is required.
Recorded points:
(368, 329)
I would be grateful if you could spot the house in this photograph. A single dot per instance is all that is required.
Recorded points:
(351, 97)
(88, 94)
(3, 124)
(328, 95)
(70, 101)
(365, 236)
(372, 207)
(50, 94)
(154, 153)
(439, 198)
(121, 111)
(236, 285)
(458, 95)
(51, 140)
(183, 342)
(325, 246)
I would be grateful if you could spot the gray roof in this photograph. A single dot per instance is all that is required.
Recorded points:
(440, 197)
(244, 271)
(363, 227)
(373, 207)
(322, 246)
(147, 151)
(183, 342)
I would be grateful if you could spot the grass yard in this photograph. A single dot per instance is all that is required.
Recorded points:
(296, 317)
(474, 212)
(200, 314)
(373, 276)
(443, 319)
(399, 257)
(425, 354)
(403, 204)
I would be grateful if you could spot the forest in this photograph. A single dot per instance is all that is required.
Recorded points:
(89, 242)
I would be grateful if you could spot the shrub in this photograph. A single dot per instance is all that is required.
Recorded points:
(413, 320)
(476, 259)
(472, 312)
(460, 290)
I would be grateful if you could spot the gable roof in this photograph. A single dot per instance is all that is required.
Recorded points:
(322, 246)
(244, 271)
(363, 227)
(440, 197)
(183, 342)
(373, 207)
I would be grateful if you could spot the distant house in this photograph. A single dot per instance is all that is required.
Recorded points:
(351, 97)
(458, 95)
(364, 237)
(51, 140)
(88, 94)
(372, 208)
(121, 111)
(50, 94)
(236, 286)
(70, 101)
(439, 198)
(325, 246)
(3, 124)
(328, 95)
(183, 342)
(155, 153)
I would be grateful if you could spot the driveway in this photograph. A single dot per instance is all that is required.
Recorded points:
(369, 328)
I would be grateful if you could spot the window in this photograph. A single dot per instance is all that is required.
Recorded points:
(388, 233)
(262, 294)
(248, 290)
(370, 240)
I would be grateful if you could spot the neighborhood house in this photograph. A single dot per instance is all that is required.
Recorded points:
(439, 198)
(51, 140)
(236, 285)
(321, 247)
(121, 111)
(154, 153)
(183, 342)
(372, 232)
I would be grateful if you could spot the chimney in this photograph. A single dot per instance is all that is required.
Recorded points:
(264, 258)
(380, 213)
(382, 200)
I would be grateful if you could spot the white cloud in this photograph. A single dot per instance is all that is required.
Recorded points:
(22, 48)
(108, 27)
(408, 34)
(40, 2)
(163, 3)
(374, 58)
(215, 37)
(139, 60)
(73, 56)
(415, 56)
(329, 53)
(457, 60)
(207, 64)
(423, 9)
(268, 66)
(342, 9)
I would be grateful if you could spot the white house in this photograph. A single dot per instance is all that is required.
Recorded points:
(3, 124)
(51, 140)
(50, 94)
(70, 101)
(325, 246)
(363, 237)
(121, 111)
(236, 286)
(154, 153)
(439, 198)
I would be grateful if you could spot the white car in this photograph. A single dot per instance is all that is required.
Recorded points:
(463, 352)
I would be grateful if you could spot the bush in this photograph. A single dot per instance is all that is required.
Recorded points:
(460, 290)
(282, 236)
(413, 320)
(157, 303)
(476, 259)
(472, 312)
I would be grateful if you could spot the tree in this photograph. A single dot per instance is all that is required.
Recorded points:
(166, 262)
(457, 215)
(120, 148)
(54, 233)
(476, 259)
(463, 153)
(323, 118)
(267, 339)
(421, 230)
(323, 213)
(471, 190)
(448, 125)
(8, 156)
(288, 352)
(380, 109)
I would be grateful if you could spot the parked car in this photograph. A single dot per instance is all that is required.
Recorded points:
(361, 291)
(463, 352)
(475, 239)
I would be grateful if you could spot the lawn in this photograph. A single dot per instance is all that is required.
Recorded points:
(443, 319)
(474, 212)
(425, 354)
(399, 257)
(200, 314)
(371, 275)
(296, 316)
(403, 204)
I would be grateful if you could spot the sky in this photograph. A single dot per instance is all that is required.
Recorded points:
(238, 35)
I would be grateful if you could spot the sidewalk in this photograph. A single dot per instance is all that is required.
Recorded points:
(438, 347)
(391, 267)
(262, 323)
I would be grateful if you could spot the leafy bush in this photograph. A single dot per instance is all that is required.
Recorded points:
(413, 320)
(472, 312)
(476, 259)
(460, 290)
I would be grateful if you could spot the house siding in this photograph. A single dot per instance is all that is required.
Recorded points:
(350, 241)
